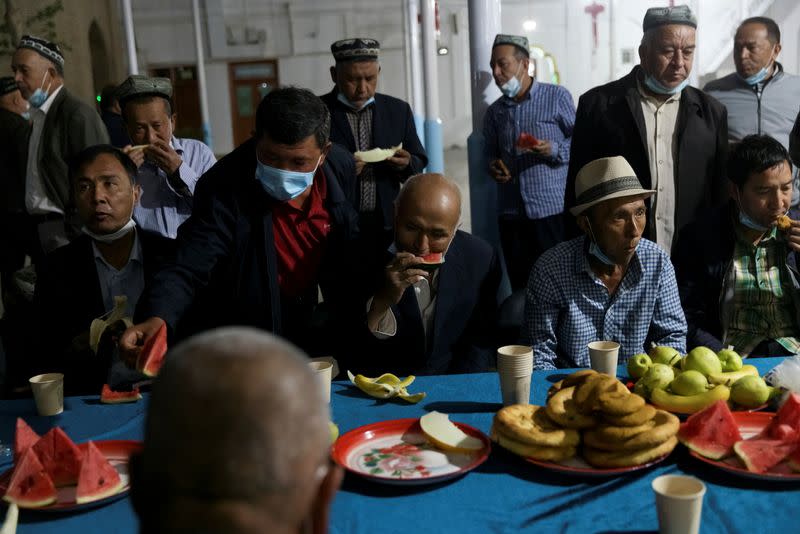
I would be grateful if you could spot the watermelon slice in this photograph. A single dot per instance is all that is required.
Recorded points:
(109, 396)
(794, 459)
(60, 457)
(711, 432)
(431, 262)
(527, 141)
(24, 437)
(98, 479)
(30, 485)
(152, 356)
(760, 455)
(788, 416)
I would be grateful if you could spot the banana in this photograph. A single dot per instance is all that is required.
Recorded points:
(732, 376)
(386, 386)
(690, 403)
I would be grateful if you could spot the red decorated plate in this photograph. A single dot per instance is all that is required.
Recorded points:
(397, 452)
(750, 424)
(578, 466)
(118, 453)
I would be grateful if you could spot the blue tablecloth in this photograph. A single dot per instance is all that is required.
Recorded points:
(505, 494)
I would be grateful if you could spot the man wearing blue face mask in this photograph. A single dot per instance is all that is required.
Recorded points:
(737, 271)
(268, 228)
(61, 126)
(609, 284)
(362, 120)
(531, 176)
(760, 97)
(674, 136)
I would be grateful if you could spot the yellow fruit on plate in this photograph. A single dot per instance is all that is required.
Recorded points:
(438, 428)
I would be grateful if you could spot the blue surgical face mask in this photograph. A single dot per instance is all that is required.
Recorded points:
(281, 184)
(511, 87)
(40, 95)
(758, 77)
(748, 221)
(343, 100)
(656, 86)
(597, 252)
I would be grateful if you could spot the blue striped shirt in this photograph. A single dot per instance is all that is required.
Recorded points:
(161, 207)
(548, 113)
(567, 306)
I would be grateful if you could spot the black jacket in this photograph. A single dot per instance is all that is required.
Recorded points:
(14, 133)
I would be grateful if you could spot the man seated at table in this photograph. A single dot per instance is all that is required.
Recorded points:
(79, 281)
(269, 226)
(609, 284)
(736, 270)
(431, 321)
(236, 440)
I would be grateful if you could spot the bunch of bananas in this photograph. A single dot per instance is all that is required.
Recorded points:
(386, 386)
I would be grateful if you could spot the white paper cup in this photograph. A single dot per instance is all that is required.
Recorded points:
(515, 366)
(48, 393)
(603, 356)
(679, 503)
(323, 373)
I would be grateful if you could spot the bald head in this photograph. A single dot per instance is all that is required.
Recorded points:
(427, 213)
(430, 188)
(236, 430)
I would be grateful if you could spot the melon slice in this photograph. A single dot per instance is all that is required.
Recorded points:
(30, 485)
(440, 431)
(152, 356)
(431, 262)
(24, 437)
(711, 432)
(787, 416)
(377, 155)
(60, 457)
(109, 396)
(760, 455)
(98, 479)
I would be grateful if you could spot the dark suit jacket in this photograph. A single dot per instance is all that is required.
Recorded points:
(610, 122)
(70, 126)
(392, 124)
(68, 297)
(14, 132)
(225, 271)
(464, 325)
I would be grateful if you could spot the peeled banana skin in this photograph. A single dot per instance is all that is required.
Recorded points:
(386, 386)
(691, 403)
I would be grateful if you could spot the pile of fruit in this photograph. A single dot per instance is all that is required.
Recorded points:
(43, 463)
(688, 384)
(713, 433)
(591, 412)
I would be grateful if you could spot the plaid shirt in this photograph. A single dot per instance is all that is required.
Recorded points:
(567, 306)
(762, 306)
(538, 183)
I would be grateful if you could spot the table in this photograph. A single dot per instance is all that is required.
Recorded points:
(505, 494)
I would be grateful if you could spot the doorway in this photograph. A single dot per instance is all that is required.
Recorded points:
(250, 81)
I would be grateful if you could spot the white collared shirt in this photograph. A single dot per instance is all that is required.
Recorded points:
(426, 301)
(36, 200)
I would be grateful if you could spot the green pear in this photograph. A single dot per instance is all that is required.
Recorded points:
(638, 365)
(689, 383)
(750, 391)
(704, 360)
(730, 360)
(334, 430)
(665, 355)
(659, 376)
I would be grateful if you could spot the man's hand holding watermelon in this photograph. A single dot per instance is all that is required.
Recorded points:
(400, 274)
(136, 337)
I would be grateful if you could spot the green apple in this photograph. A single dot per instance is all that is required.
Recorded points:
(689, 383)
(730, 359)
(704, 360)
(638, 365)
(750, 391)
(334, 430)
(658, 376)
(665, 355)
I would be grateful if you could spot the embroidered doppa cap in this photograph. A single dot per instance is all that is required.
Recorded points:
(659, 16)
(7, 85)
(604, 179)
(43, 47)
(513, 40)
(358, 48)
(138, 85)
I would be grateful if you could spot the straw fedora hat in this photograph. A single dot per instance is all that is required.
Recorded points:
(603, 179)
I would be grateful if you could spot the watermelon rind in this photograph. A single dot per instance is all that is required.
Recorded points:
(109, 396)
(711, 432)
(94, 466)
(24, 437)
(60, 457)
(30, 469)
(788, 414)
(767, 453)
(152, 355)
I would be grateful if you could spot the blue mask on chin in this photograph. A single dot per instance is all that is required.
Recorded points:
(511, 87)
(748, 221)
(40, 95)
(656, 86)
(756, 78)
(343, 99)
(281, 184)
(597, 252)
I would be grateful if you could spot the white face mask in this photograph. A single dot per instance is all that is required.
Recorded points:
(512, 87)
(110, 238)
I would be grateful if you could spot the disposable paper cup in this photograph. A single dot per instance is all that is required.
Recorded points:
(48, 393)
(603, 356)
(323, 372)
(515, 389)
(679, 503)
(514, 366)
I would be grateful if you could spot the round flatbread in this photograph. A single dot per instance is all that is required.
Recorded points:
(555, 388)
(561, 409)
(619, 402)
(608, 459)
(639, 417)
(601, 435)
(546, 454)
(578, 377)
(665, 426)
(586, 394)
(529, 424)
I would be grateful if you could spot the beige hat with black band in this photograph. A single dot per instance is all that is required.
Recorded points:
(603, 179)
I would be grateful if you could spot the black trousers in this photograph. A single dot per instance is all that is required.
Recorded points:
(523, 241)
